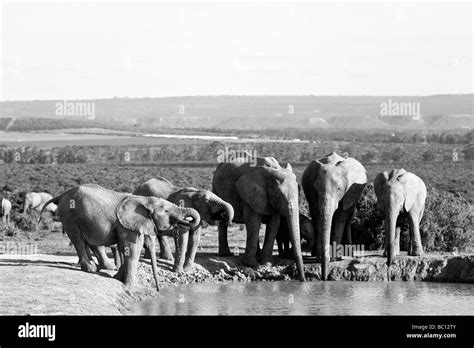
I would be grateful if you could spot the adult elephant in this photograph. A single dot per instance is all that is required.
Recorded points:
(401, 193)
(5, 211)
(36, 201)
(259, 191)
(210, 207)
(94, 216)
(332, 186)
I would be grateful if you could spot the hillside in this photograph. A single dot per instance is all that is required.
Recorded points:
(252, 112)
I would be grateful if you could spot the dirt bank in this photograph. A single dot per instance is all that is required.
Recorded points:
(44, 284)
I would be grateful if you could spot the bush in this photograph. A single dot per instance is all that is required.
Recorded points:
(446, 225)
(367, 225)
(447, 222)
(8, 230)
(26, 222)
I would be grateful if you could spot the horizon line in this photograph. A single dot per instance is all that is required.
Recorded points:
(246, 95)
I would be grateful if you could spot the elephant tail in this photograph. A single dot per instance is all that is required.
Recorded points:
(54, 200)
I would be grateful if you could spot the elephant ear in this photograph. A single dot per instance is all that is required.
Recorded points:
(134, 212)
(356, 178)
(411, 191)
(252, 190)
(183, 198)
(380, 179)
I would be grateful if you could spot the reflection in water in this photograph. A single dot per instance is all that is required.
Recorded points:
(313, 298)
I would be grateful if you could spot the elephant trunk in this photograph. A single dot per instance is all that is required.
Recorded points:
(229, 211)
(151, 247)
(391, 222)
(194, 215)
(221, 210)
(327, 207)
(294, 230)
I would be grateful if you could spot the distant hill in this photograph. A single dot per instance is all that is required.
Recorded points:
(256, 112)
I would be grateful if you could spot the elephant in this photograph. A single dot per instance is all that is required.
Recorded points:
(283, 235)
(96, 217)
(210, 207)
(260, 192)
(36, 200)
(5, 211)
(332, 186)
(400, 193)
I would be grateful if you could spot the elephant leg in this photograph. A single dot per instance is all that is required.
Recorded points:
(281, 249)
(253, 221)
(4, 219)
(194, 239)
(181, 248)
(88, 252)
(102, 257)
(130, 244)
(339, 224)
(87, 265)
(165, 251)
(416, 248)
(396, 250)
(147, 254)
(271, 230)
(118, 257)
(223, 243)
(347, 237)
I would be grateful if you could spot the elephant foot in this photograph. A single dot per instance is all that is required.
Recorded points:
(108, 265)
(396, 253)
(267, 260)
(166, 256)
(119, 275)
(225, 252)
(188, 267)
(178, 269)
(89, 267)
(249, 261)
(416, 252)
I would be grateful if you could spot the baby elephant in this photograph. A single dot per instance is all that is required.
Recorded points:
(400, 193)
(94, 216)
(283, 236)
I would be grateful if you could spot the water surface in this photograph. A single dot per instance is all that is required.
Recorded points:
(312, 298)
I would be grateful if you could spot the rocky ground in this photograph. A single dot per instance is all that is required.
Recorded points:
(48, 281)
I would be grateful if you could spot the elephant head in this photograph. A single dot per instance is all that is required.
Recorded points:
(398, 192)
(143, 214)
(267, 190)
(150, 216)
(210, 207)
(332, 183)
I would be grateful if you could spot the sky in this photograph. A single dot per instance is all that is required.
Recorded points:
(93, 50)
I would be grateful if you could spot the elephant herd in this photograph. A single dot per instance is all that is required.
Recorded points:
(243, 192)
